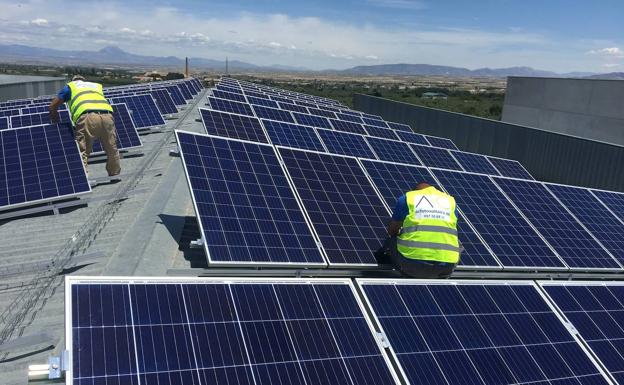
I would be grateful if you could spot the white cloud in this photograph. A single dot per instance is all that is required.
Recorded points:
(371, 57)
(127, 30)
(609, 51)
(40, 22)
(400, 4)
(275, 44)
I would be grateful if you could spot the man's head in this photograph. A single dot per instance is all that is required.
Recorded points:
(78, 77)
(422, 186)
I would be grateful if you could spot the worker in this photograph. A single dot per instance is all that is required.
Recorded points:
(92, 117)
(422, 240)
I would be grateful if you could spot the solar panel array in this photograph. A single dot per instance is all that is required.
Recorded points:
(127, 135)
(143, 109)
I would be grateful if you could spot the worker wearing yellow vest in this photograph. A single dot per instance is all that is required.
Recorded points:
(92, 117)
(423, 239)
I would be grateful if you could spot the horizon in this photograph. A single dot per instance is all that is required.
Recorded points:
(319, 35)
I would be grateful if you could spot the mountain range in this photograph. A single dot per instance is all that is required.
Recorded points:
(114, 56)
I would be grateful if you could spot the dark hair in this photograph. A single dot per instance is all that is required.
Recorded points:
(422, 185)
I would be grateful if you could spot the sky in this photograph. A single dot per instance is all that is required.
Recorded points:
(555, 35)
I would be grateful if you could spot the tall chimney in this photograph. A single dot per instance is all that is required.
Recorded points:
(186, 74)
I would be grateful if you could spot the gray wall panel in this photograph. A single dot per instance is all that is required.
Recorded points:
(549, 156)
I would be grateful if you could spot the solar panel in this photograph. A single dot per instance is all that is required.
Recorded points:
(254, 94)
(176, 95)
(4, 123)
(143, 110)
(39, 109)
(375, 122)
(343, 207)
(9, 112)
(39, 164)
(127, 135)
(262, 102)
(345, 144)
(393, 151)
(613, 200)
(293, 107)
(564, 233)
(164, 101)
(341, 125)
(379, 132)
(369, 116)
(474, 163)
(312, 120)
(216, 331)
(596, 311)
(39, 119)
(393, 180)
(441, 142)
(349, 118)
(477, 333)
(246, 209)
(588, 210)
(436, 157)
(322, 112)
(400, 127)
(229, 96)
(293, 135)
(510, 168)
(500, 224)
(232, 126)
(232, 89)
(412, 137)
(185, 91)
(230, 106)
(281, 99)
(273, 114)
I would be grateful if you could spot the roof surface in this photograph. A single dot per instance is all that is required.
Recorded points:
(137, 234)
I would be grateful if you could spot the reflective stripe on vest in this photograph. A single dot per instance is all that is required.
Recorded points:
(430, 229)
(86, 96)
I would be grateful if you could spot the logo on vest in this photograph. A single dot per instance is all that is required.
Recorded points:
(432, 207)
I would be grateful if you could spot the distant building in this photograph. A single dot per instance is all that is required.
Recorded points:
(434, 95)
(22, 86)
(586, 108)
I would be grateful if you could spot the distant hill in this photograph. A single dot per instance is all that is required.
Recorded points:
(609, 76)
(436, 70)
(115, 56)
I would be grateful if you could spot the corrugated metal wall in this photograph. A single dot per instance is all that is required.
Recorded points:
(548, 156)
(30, 89)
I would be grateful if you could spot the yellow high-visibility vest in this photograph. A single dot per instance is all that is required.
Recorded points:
(429, 231)
(86, 96)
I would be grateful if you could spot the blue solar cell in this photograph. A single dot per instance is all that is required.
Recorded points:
(441, 142)
(229, 96)
(273, 114)
(571, 241)
(293, 135)
(176, 95)
(312, 120)
(322, 112)
(230, 106)
(474, 163)
(281, 99)
(439, 333)
(4, 123)
(39, 164)
(346, 212)
(379, 132)
(185, 91)
(436, 157)
(232, 126)
(246, 209)
(262, 102)
(346, 144)
(393, 151)
(218, 332)
(505, 231)
(232, 89)
(9, 112)
(400, 127)
(375, 122)
(412, 137)
(143, 110)
(613, 200)
(510, 168)
(164, 101)
(127, 135)
(306, 103)
(39, 109)
(253, 94)
(38, 119)
(605, 226)
(349, 118)
(341, 125)
(369, 116)
(596, 312)
(293, 107)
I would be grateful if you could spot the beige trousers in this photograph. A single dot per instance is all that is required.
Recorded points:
(102, 127)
